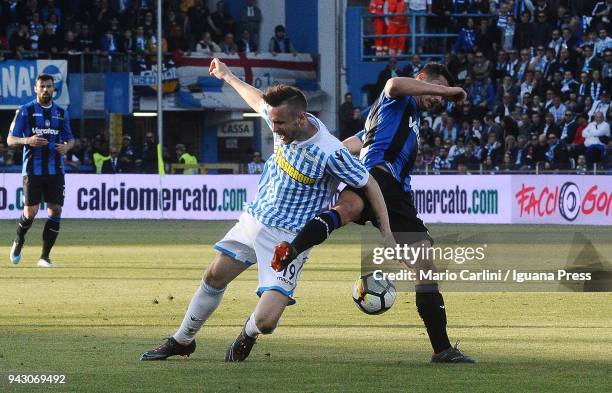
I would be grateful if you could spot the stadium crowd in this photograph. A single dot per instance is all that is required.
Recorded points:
(538, 72)
(112, 28)
(104, 31)
(538, 85)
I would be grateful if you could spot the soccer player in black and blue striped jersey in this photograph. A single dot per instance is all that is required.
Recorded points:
(388, 147)
(43, 129)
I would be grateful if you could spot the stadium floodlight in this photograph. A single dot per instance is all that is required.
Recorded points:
(251, 114)
(145, 114)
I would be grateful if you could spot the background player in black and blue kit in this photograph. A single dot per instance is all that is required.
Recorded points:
(388, 147)
(43, 129)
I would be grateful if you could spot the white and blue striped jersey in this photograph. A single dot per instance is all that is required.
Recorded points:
(299, 179)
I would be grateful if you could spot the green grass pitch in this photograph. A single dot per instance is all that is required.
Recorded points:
(121, 286)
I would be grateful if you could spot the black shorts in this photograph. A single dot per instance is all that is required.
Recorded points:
(403, 216)
(49, 187)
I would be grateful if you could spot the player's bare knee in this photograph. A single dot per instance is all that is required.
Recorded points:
(266, 324)
(30, 211)
(213, 278)
(55, 211)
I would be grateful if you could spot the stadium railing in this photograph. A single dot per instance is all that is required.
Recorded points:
(411, 36)
(536, 170)
(82, 62)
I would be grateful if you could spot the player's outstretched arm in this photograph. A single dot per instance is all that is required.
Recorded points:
(251, 95)
(403, 86)
(34, 141)
(375, 196)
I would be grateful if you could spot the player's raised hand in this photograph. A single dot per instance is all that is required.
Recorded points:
(37, 141)
(218, 69)
(61, 149)
(456, 94)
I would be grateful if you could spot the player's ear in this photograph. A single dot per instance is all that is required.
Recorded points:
(420, 76)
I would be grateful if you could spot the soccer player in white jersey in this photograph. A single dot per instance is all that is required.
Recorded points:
(297, 183)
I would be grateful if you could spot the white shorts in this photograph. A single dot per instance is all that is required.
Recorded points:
(250, 242)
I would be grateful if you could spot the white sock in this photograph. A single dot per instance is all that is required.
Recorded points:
(250, 328)
(203, 303)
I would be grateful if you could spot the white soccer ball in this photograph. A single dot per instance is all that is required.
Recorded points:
(373, 296)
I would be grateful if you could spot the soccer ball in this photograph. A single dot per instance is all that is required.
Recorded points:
(373, 296)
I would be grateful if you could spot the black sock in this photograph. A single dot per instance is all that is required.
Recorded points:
(22, 228)
(316, 231)
(49, 235)
(430, 305)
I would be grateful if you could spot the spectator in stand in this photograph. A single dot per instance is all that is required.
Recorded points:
(279, 43)
(467, 38)
(256, 166)
(112, 165)
(413, 68)
(422, 9)
(71, 45)
(127, 156)
(508, 163)
(456, 150)
(602, 42)
(228, 46)
(606, 70)
(148, 160)
(581, 165)
(508, 33)
(511, 146)
(493, 150)
(440, 23)
(569, 85)
(442, 162)
(250, 20)
(376, 8)
(596, 136)
(49, 42)
(467, 158)
(246, 44)
(590, 62)
(346, 114)
(556, 156)
(549, 125)
(569, 41)
(197, 19)
(221, 22)
(20, 40)
(596, 86)
(490, 126)
(126, 42)
(178, 43)
(50, 9)
(390, 71)
(602, 105)
(206, 45)
(355, 123)
(556, 42)
(542, 30)
(540, 150)
(185, 158)
(523, 35)
(557, 109)
(86, 40)
(449, 129)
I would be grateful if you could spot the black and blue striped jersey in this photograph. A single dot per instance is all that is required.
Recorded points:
(391, 136)
(53, 124)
